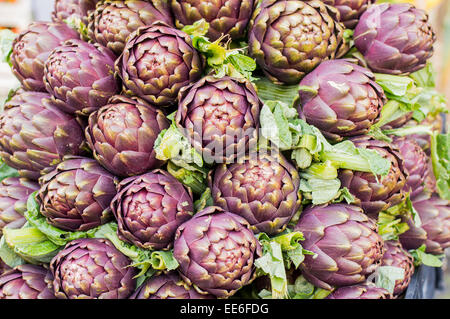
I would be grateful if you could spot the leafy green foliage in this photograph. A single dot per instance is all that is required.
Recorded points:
(422, 258)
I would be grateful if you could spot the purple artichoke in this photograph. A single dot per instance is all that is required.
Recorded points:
(35, 134)
(113, 21)
(435, 229)
(14, 194)
(367, 290)
(76, 195)
(350, 10)
(81, 76)
(216, 251)
(122, 135)
(157, 62)
(341, 99)
(65, 9)
(225, 17)
(220, 117)
(92, 269)
(32, 48)
(263, 190)
(395, 38)
(396, 256)
(167, 286)
(289, 38)
(3, 267)
(346, 242)
(26, 282)
(371, 194)
(149, 208)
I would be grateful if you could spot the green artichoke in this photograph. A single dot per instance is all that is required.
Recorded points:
(76, 195)
(149, 208)
(14, 194)
(371, 193)
(263, 190)
(219, 117)
(26, 282)
(35, 134)
(167, 286)
(366, 290)
(216, 251)
(225, 17)
(31, 49)
(341, 99)
(122, 135)
(113, 21)
(81, 76)
(66, 9)
(346, 242)
(350, 10)
(395, 38)
(157, 62)
(92, 269)
(289, 38)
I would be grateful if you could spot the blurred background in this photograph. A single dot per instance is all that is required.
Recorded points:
(17, 14)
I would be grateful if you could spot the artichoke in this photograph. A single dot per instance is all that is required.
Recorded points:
(76, 195)
(3, 267)
(81, 76)
(225, 17)
(157, 62)
(350, 10)
(289, 38)
(220, 117)
(122, 135)
(65, 9)
(216, 251)
(367, 290)
(35, 135)
(14, 194)
(263, 190)
(113, 21)
(92, 269)
(424, 140)
(395, 38)
(26, 282)
(167, 286)
(346, 242)
(375, 194)
(435, 229)
(341, 99)
(396, 256)
(31, 49)
(149, 208)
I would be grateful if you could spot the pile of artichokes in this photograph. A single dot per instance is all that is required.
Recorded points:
(230, 149)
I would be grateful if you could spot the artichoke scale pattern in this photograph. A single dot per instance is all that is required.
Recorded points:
(363, 291)
(79, 9)
(350, 10)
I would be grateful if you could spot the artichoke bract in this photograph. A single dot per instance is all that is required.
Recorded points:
(26, 282)
(350, 10)
(149, 208)
(263, 190)
(364, 291)
(396, 256)
(157, 62)
(219, 117)
(31, 49)
(341, 99)
(225, 17)
(216, 251)
(35, 134)
(14, 194)
(76, 195)
(167, 286)
(289, 38)
(92, 269)
(372, 194)
(80, 9)
(395, 38)
(435, 229)
(81, 76)
(122, 135)
(113, 21)
(346, 242)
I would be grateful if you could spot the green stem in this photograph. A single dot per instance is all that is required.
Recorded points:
(344, 161)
